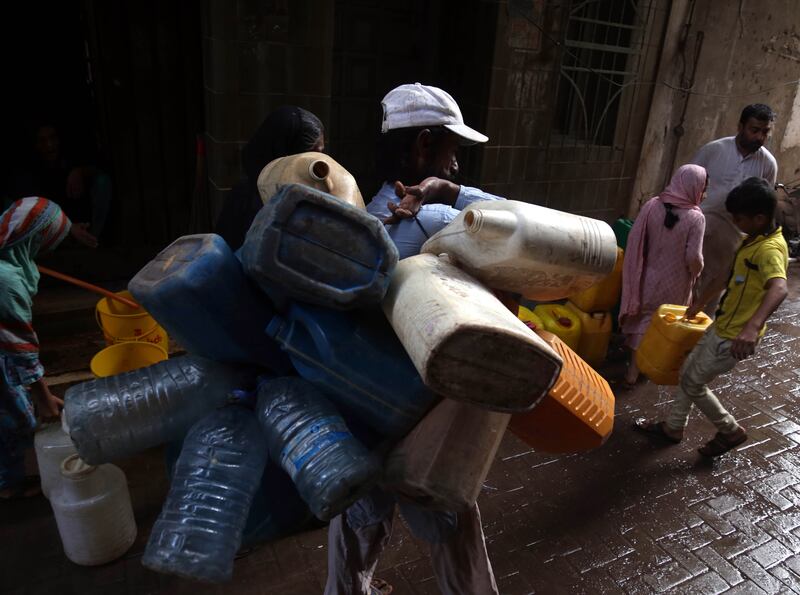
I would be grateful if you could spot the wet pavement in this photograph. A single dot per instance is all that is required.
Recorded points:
(631, 517)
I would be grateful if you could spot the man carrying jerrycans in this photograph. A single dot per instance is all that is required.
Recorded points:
(422, 130)
(755, 289)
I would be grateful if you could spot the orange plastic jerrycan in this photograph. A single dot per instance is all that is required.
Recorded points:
(560, 321)
(595, 334)
(578, 412)
(602, 296)
(667, 342)
(527, 316)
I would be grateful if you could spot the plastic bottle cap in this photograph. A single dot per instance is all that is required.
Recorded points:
(565, 322)
(670, 317)
(74, 467)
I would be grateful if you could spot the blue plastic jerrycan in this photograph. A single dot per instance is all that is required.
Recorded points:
(356, 359)
(197, 290)
(319, 249)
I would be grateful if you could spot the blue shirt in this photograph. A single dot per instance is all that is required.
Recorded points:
(409, 234)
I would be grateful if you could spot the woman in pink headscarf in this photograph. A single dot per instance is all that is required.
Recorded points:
(664, 255)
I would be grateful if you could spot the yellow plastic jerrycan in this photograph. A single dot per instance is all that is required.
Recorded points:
(578, 412)
(316, 170)
(527, 316)
(560, 321)
(667, 342)
(595, 334)
(602, 296)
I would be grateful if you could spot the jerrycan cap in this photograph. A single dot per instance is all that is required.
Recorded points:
(670, 317)
(74, 467)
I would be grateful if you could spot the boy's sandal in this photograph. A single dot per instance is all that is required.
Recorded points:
(380, 587)
(655, 429)
(29, 487)
(722, 443)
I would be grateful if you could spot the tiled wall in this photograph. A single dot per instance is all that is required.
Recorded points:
(259, 55)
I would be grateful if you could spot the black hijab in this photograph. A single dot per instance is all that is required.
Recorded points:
(286, 131)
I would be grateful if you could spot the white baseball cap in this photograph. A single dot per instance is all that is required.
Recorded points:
(410, 106)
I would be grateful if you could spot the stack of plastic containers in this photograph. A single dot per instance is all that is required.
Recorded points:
(594, 307)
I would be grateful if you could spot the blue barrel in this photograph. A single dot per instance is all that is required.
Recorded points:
(319, 249)
(196, 289)
(356, 359)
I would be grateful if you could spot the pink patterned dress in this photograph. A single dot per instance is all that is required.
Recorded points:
(663, 263)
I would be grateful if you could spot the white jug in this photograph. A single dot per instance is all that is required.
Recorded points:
(93, 511)
(541, 253)
(52, 446)
(464, 343)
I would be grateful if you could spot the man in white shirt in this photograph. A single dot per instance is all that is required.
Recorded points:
(729, 161)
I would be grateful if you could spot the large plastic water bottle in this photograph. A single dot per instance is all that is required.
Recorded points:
(319, 249)
(52, 446)
(310, 440)
(120, 415)
(217, 474)
(93, 512)
(198, 278)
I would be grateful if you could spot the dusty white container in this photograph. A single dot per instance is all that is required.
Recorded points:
(93, 511)
(541, 253)
(316, 170)
(464, 343)
(52, 446)
(443, 462)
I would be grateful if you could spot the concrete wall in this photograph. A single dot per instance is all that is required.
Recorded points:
(259, 55)
(744, 57)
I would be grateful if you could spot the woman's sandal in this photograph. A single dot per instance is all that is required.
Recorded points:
(30, 487)
(722, 443)
(380, 587)
(655, 429)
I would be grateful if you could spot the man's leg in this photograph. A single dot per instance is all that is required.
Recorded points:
(356, 539)
(710, 358)
(458, 549)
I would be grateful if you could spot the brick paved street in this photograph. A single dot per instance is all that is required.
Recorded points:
(631, 517)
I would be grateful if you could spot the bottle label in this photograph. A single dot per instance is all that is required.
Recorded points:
(307, 444)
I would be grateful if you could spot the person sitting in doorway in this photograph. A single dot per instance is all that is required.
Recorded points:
(77, 185)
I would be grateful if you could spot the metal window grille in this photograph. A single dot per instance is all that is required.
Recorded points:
(603, 46)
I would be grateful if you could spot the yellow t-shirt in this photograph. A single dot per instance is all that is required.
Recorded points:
(758, 260)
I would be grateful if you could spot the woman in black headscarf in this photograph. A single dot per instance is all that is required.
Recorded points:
(286, 131)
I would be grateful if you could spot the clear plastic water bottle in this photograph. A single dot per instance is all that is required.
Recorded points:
(216, 476)
(309, 439)
(120, 415)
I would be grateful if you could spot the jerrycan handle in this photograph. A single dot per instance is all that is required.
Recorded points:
(285, 332)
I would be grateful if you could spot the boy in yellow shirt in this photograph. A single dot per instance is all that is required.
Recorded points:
(755, 289)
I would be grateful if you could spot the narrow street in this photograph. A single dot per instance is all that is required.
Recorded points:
(630, 517)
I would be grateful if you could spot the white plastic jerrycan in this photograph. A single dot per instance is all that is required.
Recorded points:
(93, 511)
(464, 343)
(52, 446)
(541, 253)
(316, 170)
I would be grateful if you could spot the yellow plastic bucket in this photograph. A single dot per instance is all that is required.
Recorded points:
(124, 357)
(121, 323)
